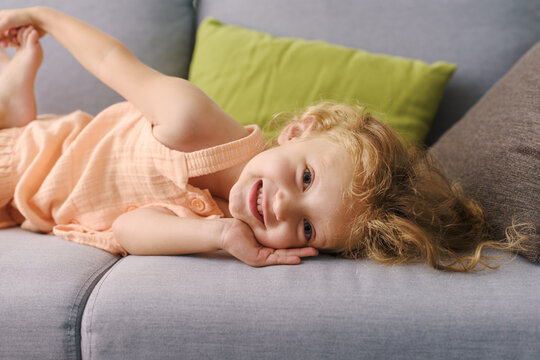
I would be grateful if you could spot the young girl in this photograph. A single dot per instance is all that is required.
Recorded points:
(168, 172)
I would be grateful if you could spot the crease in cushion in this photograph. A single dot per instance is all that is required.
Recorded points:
(494, 151)
(253, 76)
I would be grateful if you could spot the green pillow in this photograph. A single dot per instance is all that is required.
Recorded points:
(253, 76)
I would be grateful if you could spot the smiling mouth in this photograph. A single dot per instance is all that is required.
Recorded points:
(255, 201)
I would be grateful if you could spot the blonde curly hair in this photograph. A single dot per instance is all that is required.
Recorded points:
(402, 207)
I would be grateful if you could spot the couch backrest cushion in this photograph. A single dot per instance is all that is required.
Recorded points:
(159, 32)
(483, 37)
(494, 151)
(253, 76)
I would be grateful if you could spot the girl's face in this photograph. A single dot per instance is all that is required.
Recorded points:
(292, 195)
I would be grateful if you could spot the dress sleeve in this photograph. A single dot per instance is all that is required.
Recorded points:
(83, 235)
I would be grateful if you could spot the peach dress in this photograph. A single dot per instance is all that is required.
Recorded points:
(74, 175)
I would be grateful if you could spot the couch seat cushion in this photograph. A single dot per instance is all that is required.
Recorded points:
(44, 284)
(215, 307)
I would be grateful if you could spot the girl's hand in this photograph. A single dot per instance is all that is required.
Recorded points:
(11, 21)
(239, 241)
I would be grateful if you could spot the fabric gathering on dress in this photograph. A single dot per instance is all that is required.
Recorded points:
(74, 175)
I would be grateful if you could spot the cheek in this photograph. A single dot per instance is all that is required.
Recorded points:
(282, 237)
(238, 202)
(235, 200)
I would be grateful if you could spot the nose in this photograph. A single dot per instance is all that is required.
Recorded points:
(284, 205)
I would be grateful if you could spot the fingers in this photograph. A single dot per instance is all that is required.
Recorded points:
(11, 22)
(11, 37)
(301, 252)
(5, 37)
(17, 37)
(293, 256)
(269, 256)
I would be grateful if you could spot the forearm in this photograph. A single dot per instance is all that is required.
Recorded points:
(171, 103)
(156, 232)
(86, 43)
(92, 48)
(99, 53)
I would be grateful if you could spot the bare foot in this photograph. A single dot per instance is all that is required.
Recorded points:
(4, 59)
(17, 101)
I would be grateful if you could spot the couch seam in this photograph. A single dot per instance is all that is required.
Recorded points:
(78, 306)
(91, 312)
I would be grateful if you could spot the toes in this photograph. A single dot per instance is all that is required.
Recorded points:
(24, 35)
(23, 38)
(33, 36)
(20, 36)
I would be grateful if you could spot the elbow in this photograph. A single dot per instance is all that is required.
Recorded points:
(117, 229)
(121, 232)
(131, 232)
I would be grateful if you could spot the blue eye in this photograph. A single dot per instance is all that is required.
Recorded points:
(308, 230)
(307, 178)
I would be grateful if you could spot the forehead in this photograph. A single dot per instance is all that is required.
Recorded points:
(329, 157)
(319, 148)
(332, 166)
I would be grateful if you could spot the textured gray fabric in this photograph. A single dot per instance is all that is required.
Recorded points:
(159, 32)
(215, 307)
(483, 37)
(44, 283)
(494, 151)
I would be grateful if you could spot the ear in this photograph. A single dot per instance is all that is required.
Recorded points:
(296, 129)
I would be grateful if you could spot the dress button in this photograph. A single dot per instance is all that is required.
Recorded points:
(197, 204)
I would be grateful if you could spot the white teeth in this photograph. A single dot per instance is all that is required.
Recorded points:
(259, 200)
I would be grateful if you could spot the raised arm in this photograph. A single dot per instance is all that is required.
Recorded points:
(184, 110)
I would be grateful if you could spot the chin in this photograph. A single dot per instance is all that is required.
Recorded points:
(261, 240)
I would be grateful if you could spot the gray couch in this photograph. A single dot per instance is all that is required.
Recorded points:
(61, 300)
